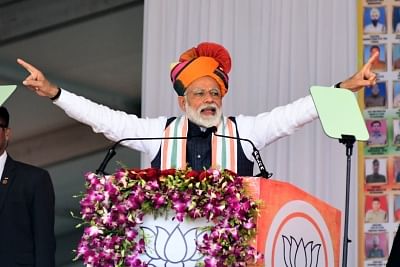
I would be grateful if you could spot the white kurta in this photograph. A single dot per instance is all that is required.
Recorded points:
(262, 129)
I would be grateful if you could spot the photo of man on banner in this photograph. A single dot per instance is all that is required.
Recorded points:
(379, 63)
(376, 209)
(375, 96)
(375, 170)
(374, 20)
(376, 245)
(377, 132)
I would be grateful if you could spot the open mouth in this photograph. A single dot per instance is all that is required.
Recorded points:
(208, 111)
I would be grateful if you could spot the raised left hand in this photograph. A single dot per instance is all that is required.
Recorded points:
(364, 77)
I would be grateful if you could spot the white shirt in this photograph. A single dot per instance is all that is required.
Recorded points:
(379, 28)
(397, 28)
(3, 159)
(262, 129)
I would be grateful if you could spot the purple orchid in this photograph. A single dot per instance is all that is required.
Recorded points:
(114, 207)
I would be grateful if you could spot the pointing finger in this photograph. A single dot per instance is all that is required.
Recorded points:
(31, 69)
(367, 66)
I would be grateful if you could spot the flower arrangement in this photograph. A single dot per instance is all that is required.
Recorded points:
(113, 207)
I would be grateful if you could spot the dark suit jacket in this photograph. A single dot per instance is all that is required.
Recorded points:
(394, 257)
(26, 216)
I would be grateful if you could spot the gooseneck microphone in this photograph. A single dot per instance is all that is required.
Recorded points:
(256, 153)
(111, 152)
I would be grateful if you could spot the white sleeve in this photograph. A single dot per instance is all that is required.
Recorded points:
(267, 127)
(114, 124)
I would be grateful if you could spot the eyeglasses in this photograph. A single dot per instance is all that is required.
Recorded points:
(200, 93)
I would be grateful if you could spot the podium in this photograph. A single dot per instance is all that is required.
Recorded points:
(292, 228)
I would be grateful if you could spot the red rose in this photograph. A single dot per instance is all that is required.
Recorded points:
(151, 174)
(167, 172)
(203, 175)
(192, 174)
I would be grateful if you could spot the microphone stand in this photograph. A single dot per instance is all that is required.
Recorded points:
(111, 152)
(256, 154)
(348, 141)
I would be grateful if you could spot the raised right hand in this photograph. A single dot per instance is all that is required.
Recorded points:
(37, 82)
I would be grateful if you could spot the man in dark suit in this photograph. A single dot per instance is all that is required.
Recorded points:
(26, 210)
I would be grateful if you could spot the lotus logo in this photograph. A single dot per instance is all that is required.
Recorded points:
(173, 248)
(298, 254)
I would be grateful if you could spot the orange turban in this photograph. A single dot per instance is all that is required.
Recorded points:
(207, 59)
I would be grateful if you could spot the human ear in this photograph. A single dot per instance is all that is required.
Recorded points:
(182, 103)
(7, 133)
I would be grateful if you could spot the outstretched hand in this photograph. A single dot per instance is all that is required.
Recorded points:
(36, 81)
(364, 77)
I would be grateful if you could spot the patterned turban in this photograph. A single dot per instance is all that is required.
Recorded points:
(207, 59)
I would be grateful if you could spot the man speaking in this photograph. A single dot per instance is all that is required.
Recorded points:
(201, 80)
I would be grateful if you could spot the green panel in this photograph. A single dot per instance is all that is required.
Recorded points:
(339, 112)
(5, 92)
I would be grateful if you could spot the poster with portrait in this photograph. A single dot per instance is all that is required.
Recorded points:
(376, 208)
(376, 245)
(380, 64)
(396, 208)
(396, 170)
(379, 160)
(375, 171)
(396, 19)
(396, 94)
(374, 19)
(396, 56)
(375, 96)
(377, 129)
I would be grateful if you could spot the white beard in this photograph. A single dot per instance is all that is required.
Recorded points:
(195, 115)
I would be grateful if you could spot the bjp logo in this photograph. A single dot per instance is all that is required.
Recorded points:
(298, 254)
(299, 237)
(166, 248)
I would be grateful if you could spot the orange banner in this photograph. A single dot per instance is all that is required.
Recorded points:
(293, 219)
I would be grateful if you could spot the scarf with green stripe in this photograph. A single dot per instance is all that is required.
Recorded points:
(224, 150)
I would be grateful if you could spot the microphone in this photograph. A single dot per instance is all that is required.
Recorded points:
(111, 152)
(256, 153)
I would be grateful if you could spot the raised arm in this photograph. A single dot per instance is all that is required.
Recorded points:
(37, 82)
(114, 124)
(362, 78)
